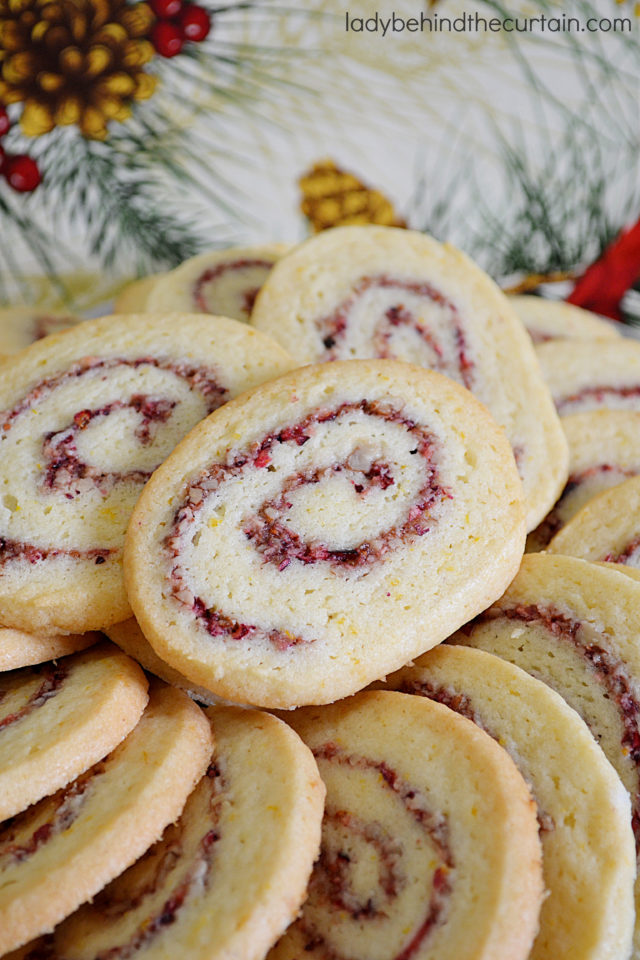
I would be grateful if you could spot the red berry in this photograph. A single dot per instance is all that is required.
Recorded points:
(5, 123)
(165, 9)
(167, 38)
(22, 173)
(194, 22)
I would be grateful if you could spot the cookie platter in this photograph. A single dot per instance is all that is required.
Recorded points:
(320, 600)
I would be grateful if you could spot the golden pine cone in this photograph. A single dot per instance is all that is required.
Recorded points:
(74, 61)
(333, 197)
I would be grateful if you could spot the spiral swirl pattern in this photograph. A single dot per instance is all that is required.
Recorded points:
(235, 281)
(611, 671)
(67, 455)
(364, 474)
(384, 316)
(369, 871)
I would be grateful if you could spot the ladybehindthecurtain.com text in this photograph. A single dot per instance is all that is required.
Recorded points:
(476, 23)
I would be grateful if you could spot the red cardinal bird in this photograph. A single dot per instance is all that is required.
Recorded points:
(603, 285)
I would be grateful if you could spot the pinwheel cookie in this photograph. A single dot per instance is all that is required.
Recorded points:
(322, 530)
(557, 320)
(575, 625)
(592, 375)
(225, 282)
(384, 292)
(48, 732)
(228, 878)
(87, 416)
(132, 640)
(606, 529)
(430, 843)
(62, 851)
(583, 809)
(20, 649)
(133, 297)
(21, 326)
(604, 450)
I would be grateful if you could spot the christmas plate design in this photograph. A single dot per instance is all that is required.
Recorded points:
(87, 416)
(384, 292)
(63, 850)
(322, 530)
(604, 450)
(20, 649)
(20, 326)
(224, 282)
(430, 843)
(59, 719)
(575, 625)
(592, 376)
(227, 878)
(584, 817)
(557, 320)
(606, 529)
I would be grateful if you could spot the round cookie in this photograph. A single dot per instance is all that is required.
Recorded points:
(230, 876)
(430, 843)
(584, 816)
(384, 292)
(557, 320)
(21, 326)
(58, 719)
(575, 626)
(20, 649)
(133, 297)
(604, 450)
(224, 282)
(62, 851)
(87, 416)
(132, 640)
(606, 529)
(590, 375)
(322, 530)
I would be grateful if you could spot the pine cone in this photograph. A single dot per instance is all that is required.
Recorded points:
(74, 61)
(332, 197)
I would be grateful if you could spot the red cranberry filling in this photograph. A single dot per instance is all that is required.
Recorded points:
(334, 327)
(214, 273)
(591, 397)
(67, 806)
(65, 469)
(61, 455)
(628, 555)
(462, 704)
(279, 546)
(611, 673)
(330, 883)
(53, 678)
(166, 855)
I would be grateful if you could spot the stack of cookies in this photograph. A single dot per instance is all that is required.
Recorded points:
(276, 477)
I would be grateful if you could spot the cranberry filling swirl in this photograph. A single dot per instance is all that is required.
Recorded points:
(141, 905)
(388, 313)
(593, 398)
(376, 483)
(244, 276)
(629, 554)
(56, 437)
(52, 678)
(27, 833)
(404, 896)
(609, 670)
